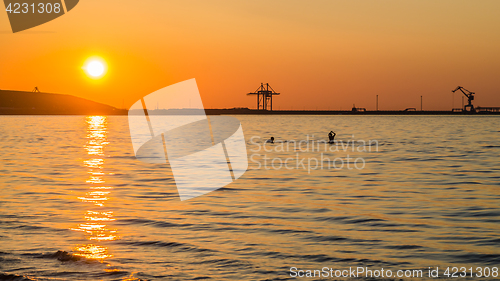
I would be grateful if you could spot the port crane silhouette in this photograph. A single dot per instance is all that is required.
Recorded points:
(264, 96)
(470, 98)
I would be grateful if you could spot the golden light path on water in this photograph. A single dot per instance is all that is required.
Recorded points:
(97, 217)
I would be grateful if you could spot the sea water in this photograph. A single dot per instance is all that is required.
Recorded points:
(393, 193)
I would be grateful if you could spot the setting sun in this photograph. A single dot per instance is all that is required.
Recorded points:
(95, 68)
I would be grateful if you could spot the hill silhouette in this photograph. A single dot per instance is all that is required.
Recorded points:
(36, 103)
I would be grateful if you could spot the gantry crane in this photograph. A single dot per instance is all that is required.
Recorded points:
(264, 96)
(470, 98)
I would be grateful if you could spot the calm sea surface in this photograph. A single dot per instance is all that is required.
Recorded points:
(75, 204)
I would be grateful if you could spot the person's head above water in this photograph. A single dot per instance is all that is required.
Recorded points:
(271, 140)
(331, 136)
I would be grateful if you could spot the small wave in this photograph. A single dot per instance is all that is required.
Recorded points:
(288, 231)
(486, 259)
(121, 157)
(29, 227)
(475, 214)
(59, 255)
(404, 247)
(161, 224)
(342, 239)
(161, 244)
(223, 262)
(489, 242)
(155, 180)
(14, 277)
(321, 258)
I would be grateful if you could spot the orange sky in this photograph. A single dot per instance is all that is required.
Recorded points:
(322, 54)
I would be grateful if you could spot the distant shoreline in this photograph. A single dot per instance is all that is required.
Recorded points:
(124, 112)
(37, 103)
(337, 112)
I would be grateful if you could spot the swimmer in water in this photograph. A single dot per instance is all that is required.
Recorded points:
(271, 140)
(331, 136)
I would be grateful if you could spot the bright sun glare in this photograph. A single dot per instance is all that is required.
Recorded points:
(95, 68)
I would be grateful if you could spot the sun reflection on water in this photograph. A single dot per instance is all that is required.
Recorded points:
(92, 251)
(96, 228)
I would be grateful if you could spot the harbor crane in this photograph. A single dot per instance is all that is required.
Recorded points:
(470, 98)
(264, 96)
